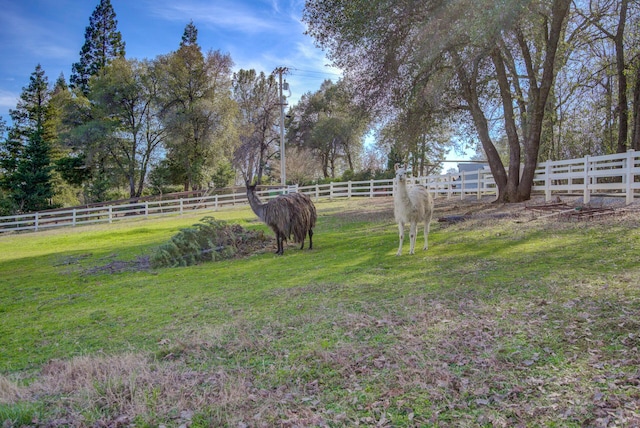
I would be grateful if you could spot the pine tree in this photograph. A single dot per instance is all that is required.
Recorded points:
(103, 43)
(25, 155)
(35, 189)
(10, 152)
(190, 36)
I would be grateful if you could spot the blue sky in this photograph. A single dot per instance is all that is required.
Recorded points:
(258, 34)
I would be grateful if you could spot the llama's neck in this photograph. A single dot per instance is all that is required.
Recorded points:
(402, 190)
(256, 204)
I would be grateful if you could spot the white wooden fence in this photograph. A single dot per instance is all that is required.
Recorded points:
(617, 174)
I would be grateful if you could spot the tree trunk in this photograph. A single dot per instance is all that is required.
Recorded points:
(349, 158)
(623, 109)
(636, 109)
(493, 157)
(513, 179)
(132, 186)
(470, 95)
(519, 186)
(540, 97)
(514, 186)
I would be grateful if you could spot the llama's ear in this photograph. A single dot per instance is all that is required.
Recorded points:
(397, 165)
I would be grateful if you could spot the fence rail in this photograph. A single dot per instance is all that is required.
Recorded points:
(612, 174)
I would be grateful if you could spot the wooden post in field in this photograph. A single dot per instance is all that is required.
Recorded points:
(547, 181)
(629, 161)
(586, 194)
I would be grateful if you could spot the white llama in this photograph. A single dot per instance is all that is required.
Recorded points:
(411, 206)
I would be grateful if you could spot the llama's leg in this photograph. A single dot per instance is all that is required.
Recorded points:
(413, 230)
(401, 233)
(427, 225)
(426, 234)
(279, 240)
(302, 245)
(311, 239)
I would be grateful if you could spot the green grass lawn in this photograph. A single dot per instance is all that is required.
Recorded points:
(502, 322)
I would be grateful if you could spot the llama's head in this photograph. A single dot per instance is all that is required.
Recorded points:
(401, 173)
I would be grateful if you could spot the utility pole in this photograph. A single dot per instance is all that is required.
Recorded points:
(282, 103)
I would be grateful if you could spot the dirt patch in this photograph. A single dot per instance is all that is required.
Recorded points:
(566, 208)
(371, 210)
(140, 264)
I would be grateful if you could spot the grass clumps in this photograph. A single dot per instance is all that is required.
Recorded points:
(209, 240)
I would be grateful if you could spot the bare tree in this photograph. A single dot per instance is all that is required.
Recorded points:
(257, 99)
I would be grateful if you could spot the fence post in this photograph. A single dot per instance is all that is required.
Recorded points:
(146, 210)
(317, 192)
(570, 179)
(331, 190)
(73, 216)
(586, 195)
(371, 188)
(480, 182)
(349, 189)
(547, 181)
(463, 179)
(181, 206)
(215, 203)
(36, 222)
(435, 183)
(629, 176)
(110, 213)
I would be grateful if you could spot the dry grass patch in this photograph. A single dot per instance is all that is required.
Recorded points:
(446, 361)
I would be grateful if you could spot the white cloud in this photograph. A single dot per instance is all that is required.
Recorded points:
(228, 15)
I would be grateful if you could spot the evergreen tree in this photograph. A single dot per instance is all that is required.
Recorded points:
(25, 155)
(60, 85)
(67, 164)
(190, 36)
(35, 190)
(9, 154)
(102, 43)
